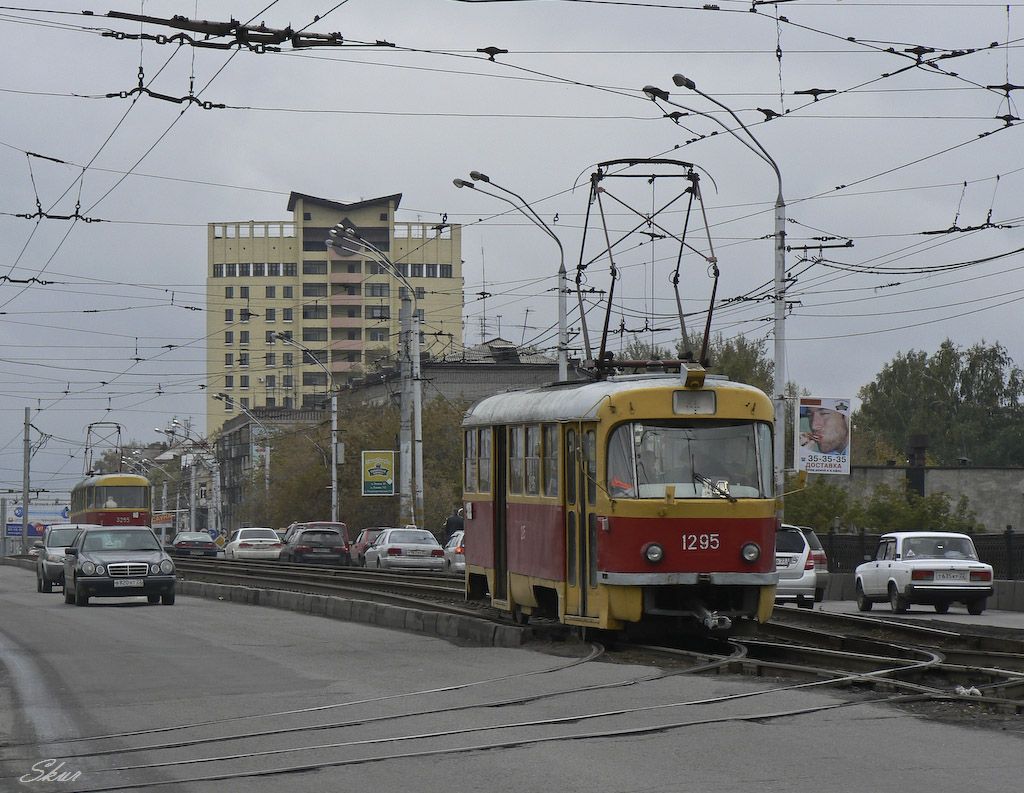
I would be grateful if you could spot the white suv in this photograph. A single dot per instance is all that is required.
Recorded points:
(931, 567)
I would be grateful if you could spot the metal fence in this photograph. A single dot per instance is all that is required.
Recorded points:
(1004, 551)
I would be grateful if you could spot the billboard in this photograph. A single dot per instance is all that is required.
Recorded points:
(379, 473)
(39, 517)
(823, 435)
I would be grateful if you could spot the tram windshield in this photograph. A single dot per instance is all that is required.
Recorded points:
(698, 459)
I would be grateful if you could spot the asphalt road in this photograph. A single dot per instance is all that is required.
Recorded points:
(220, 670)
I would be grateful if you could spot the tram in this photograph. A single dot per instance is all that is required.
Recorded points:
(118, 499)
(628, 501)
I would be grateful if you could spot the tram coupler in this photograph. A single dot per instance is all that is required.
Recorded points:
(712, 620)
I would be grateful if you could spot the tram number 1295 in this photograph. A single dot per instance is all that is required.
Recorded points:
(701, 542)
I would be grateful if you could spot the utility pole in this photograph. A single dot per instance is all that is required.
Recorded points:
(405, 429)
(417, 412)
(26, 456)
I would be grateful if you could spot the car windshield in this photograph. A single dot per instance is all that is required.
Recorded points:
(699, 459)
(120, 540)
(939, 547)
(61, 538)
(789, 541)
(258, 534)
(412, 537)
(323, 537)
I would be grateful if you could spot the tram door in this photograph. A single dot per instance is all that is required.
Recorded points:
(580, 521)
(500, 538)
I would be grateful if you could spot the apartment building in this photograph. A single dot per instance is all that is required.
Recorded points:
(338, 304)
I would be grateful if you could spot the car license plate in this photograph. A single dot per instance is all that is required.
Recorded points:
(417, 553)
(782, 561)
(196, 553)
(122, 583)
(950, 575)
(321, 550)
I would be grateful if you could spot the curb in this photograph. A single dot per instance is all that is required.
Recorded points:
(451, 627)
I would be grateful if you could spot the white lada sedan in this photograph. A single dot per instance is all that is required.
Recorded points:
(928, 567)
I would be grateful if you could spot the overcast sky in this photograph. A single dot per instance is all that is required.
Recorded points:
(893, 151)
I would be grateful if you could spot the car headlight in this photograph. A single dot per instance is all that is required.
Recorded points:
(653, 552)
(751, 552)
(99, 569)
(88, 568)
(54, 556)
(166, 567)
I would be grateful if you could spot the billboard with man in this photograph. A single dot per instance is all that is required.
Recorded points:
(823, 435)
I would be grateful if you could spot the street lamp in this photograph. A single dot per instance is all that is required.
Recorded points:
(530, 214)
(334, 417)
(779, 325)
(410, 365)
(227, 400)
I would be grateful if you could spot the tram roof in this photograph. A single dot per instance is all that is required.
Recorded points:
(576, 401)
(113, 478)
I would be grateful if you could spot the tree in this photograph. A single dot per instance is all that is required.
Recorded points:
(970, 404)
(817, 505)
(895, 509)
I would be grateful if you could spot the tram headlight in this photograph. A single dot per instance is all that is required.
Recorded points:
(653, 552)
(751, 552)
(88, 568)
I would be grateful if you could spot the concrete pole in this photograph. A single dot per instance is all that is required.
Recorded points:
(26, 456)
(779, 331)
(3, 527)
(193, 493)
(407, 507)
(334, 451)
(417, 412)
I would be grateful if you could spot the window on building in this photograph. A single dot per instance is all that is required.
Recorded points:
(269, 338)
(375, 268)
(289, 403)
(314, 356)
(270, 314)
(286, 314)
(243, 270)
(307, 215)
(229, 381)
(270, 292)
(243, 381)
(288, 359)
(377, 334)
(416, 271)
(271, 359)
(287, 334)
(229, 315)
(244, 402)
(313, 267)
(403, 270)
(430, 270)
(420, 314)
(258, 269)
(229, 292)
(352, 311)
(314, 290)
(244, 314)
(229, 359)
(314, 334)
(218, 271)
(243, 359)
(378, 312)
(230, 270)
(243, 292)
(288, 381)
(314, 378)
(271, 402)
(289, 269)
(446, 271)
(273, 268)
(314, 312)
(229, 337)
(243, 337)
(384, 216)
(288, 292)
(420, 292)
(271, 381)
(378, 290)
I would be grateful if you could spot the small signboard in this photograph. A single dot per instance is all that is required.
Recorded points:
(823, 435)
(39, 517)
(379, 473)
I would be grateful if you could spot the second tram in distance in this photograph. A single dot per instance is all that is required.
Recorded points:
(634, 500)
(112, 500)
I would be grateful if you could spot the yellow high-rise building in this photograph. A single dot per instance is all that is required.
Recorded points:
(277, 277)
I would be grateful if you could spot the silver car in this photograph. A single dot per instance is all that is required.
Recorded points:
(50, 559)
(410, 548)
(455, 553)
(795, 565)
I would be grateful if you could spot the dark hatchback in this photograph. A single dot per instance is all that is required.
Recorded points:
(118, 561)
(193, 543)
(319, 545)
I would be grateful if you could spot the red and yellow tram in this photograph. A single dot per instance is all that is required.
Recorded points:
(112, 500)
(636, 499)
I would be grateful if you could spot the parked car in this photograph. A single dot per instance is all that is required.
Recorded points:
(928, 567)
(820, 563)
(117, 561)
(455, 554)
(325, 546)
(254, 542)
(50, 554)
(193, 543)
(795, 565)
(410, 547)
(357, 550)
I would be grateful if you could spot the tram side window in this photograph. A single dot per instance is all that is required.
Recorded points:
(533, 461)
(471, 462)
(484, 469)
(590, 451)
(550, 432)
(515, 459)
(570, 467)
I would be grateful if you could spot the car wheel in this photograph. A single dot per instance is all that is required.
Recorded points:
(69, 595)
(167, 598)
(81, 599)
(975, 607)
(805, 603)
(898, 603)
(46, 584)
(448, 566)
(362, 561)
(153, 599)
(819, 595)
(941, 608)
(39, 583)
(863, 604)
